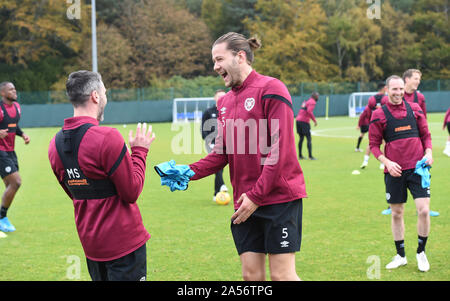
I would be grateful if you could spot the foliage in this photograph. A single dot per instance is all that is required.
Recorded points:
(144, 42)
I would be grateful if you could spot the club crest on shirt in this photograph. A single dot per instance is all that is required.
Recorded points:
(249, 103)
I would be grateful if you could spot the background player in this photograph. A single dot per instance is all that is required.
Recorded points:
(305, 114)
(9, 166)
(447, 123)
(374, 102)
(209, 133)
(412, 78)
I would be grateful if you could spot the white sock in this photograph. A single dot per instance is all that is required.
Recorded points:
(366, 158)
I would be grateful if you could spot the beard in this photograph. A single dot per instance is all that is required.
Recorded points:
(101, 110)
(11, 98)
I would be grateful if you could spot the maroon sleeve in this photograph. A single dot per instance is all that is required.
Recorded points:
(364, 117)
(376, 128)
(446, 118)
(310, 109)
(280, 118)
(422, 103)
(126, 171)
(215, 160)
(422, 125)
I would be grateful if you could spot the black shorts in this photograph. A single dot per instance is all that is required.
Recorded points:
(131, 267)
(364, 129)
(303, 128)
(8, 163)
(448, 127)
(397, 187)
(271, 229)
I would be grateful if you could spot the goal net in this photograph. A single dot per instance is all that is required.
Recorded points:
(357, 102)
(190, 109)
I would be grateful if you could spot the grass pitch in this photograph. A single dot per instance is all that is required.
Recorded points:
(345, 237)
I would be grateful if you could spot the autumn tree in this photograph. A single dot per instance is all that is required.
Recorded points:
(35, 29)
(292, 43)
(431, 24)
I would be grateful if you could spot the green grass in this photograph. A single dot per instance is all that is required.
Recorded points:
(191, 238)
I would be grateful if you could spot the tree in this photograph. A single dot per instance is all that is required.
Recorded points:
(165, 41)
(114, 53)
(398, 42)
(292, 45)
(431, 24)
(34, 29)
(222, 16)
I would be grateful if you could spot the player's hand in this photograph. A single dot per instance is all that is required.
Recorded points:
(429, 158)
(142, 138)
(3, 133)
(245, 210)
(315, 123)
(26, 138)
(393, 168)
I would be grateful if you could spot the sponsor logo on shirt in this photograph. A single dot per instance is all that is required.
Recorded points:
(249, 104)
(403, 128)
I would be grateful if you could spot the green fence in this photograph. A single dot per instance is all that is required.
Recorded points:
(152, 93)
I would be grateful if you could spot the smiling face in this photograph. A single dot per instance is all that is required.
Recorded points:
(412, 83)
(396, 90)
(9, 92)
(228, 64)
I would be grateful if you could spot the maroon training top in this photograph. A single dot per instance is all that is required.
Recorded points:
(108, 228)
(256, 138)
(7, 144)
(405, 152)
(409, 97)
(366, 115)
(306, 113)
(447, 117)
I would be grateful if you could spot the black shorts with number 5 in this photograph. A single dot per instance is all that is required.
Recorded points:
(271, 229)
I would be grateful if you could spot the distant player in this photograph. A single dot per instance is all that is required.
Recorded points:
(9, 166)
(209, 133)
(405, 129)
(305, 114)
(412, 78)
(375, 102)
(447, 124)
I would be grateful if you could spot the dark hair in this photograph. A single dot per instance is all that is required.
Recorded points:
(81, 84)
(237, 42)
(381, 85)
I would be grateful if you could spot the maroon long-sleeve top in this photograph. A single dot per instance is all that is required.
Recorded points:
(306, 112)
(256, 138)
(405, 152)
(112, 227)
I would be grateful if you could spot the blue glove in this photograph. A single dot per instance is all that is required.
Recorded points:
(177, 177)
(423, 170)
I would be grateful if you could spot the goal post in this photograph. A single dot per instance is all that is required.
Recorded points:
(190, 109)
(357, 102)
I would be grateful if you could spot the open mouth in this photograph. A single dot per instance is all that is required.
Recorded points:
(224, 75)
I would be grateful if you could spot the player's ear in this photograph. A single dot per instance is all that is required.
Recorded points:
(95, 97)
